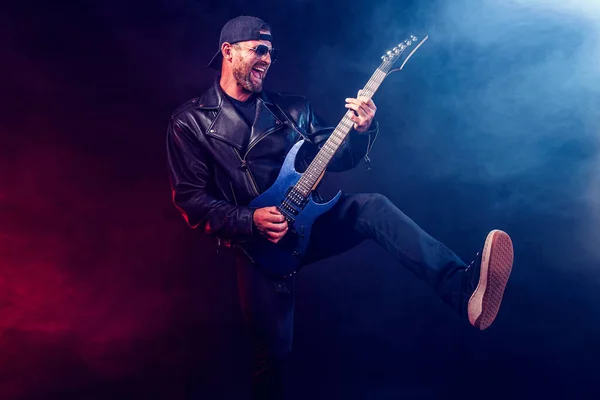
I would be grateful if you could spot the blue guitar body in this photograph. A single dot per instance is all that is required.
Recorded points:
(284, 258)
(293, 195)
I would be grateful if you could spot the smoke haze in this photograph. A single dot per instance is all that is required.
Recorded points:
(105, 293)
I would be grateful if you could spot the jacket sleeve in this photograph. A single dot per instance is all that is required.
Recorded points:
(356, 146)
(191, 187)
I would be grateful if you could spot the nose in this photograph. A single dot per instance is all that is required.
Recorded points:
(267, 57)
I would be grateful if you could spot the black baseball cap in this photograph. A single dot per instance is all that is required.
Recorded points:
(240, 29)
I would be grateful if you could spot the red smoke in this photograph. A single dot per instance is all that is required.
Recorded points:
(85, 259)
(100, 285)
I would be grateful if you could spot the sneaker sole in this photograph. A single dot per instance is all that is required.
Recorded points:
(496, 265)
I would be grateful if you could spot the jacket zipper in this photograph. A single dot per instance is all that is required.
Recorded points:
(245, 168)
(233, 193)
(244, 165)
(266, 133)
(261, 138)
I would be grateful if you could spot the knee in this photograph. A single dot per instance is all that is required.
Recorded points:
(375, 202)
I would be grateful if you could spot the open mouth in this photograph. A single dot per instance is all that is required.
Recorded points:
(258, 72)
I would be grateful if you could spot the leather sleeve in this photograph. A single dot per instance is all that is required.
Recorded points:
(191, 189)
(356, 146)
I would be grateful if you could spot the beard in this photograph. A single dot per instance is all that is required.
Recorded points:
(243, 75)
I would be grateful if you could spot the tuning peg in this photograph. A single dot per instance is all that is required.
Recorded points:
(413, 38)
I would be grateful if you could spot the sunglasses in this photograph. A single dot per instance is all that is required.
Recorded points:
(261, 50)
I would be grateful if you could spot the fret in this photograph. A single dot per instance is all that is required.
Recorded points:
(319, 164)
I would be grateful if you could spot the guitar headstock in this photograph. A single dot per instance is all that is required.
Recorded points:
(397, 54)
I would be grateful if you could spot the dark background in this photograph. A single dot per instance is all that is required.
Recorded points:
(105, 293)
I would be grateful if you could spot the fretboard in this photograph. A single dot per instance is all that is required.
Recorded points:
(317, 167)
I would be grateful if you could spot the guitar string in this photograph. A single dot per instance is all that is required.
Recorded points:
(337, 137)
(347, 123)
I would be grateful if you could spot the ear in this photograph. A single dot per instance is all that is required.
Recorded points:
(226, 51)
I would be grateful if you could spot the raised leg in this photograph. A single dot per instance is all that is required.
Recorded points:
(362, 216)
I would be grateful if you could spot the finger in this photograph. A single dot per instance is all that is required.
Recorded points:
(273, 210)
(371, 104)
(361, 107)
(359, 110)
(274, 218)
(359, 124)
(352, 101)
(358, 99)
(276, 227)
(275, 237)
(269, 230)
(363, 102)
(280, 234)
(355, 118)
(270, 235)
(368, 106)
(276, 224)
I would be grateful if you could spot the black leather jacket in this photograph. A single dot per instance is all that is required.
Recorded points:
(213, 177)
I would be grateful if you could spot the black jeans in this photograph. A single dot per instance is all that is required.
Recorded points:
(268, 305)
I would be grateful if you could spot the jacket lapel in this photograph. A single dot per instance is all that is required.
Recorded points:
(229, 126)
(265, 122)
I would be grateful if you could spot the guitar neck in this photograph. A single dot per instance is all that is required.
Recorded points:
(317, 167)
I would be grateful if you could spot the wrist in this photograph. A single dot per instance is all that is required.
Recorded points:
(255, 229)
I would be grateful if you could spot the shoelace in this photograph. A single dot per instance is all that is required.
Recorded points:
(473, 262)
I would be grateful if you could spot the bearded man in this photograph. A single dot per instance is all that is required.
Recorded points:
(227, 146)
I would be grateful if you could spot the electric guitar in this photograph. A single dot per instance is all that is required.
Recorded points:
(292, 192)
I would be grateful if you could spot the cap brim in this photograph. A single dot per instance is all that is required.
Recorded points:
(216, 61)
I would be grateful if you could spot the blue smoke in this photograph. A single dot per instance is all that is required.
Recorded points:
(504, 96)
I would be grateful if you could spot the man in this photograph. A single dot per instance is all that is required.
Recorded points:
(227, 146)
